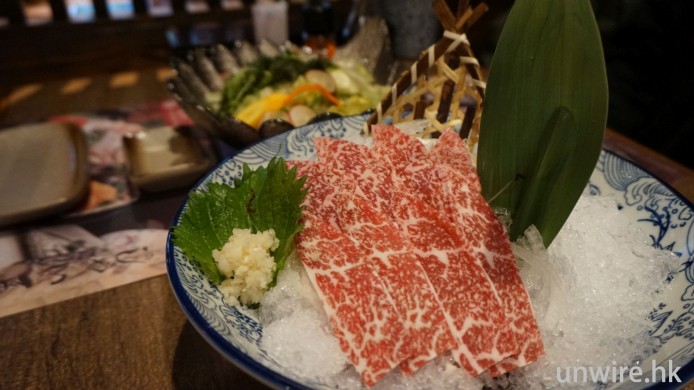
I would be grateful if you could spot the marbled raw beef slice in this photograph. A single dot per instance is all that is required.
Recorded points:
(362, 314)
(425, 181)
(427, 333)
(424, 178)
(451, 150)
(405, 155)
(489, 241)
(425, 184)
(341, 154)
(393, 144)
(375, 183)
(473, 309)
(323, 183)
(413, 169)
(358, 162)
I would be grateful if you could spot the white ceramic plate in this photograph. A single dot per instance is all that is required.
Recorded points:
(44, 171)
(235, 332)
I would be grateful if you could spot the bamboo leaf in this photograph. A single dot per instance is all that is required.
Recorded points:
(558, 146)
(545, 113)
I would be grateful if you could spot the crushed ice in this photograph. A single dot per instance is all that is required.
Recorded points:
(591, 291)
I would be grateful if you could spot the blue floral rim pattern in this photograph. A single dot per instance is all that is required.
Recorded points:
(236, 333)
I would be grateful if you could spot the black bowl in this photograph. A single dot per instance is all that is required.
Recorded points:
(202, 70)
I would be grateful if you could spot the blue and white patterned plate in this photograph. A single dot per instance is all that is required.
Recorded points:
(235, 331)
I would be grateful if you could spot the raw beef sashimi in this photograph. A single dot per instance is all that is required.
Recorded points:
(428, 334)
(362, 314)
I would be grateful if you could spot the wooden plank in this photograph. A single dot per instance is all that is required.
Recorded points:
(131, 337)
(59, 10)
(12, 10)
(671, 172)
(37, 51)
(40, 52)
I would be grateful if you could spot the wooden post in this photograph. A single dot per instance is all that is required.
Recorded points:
(100, 10)
(467, 121)
(59, 10)
(140, 7)
(447, 90)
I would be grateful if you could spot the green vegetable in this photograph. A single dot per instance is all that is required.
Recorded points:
(352, 76)
(264, 72)
(351, 106)
(262, 199)
(545, 113)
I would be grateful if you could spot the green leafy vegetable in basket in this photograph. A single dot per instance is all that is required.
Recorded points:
(545, 113)
(268, 198)
(264, 72)
(295, 90)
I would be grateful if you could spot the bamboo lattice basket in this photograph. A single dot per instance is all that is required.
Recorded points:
(444, 85)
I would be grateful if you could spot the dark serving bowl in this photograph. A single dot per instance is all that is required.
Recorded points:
(201, 71)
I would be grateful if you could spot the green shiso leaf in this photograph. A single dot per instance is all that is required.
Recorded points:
(277, 205)
(207, 223)
(545, 113)
(262, 199)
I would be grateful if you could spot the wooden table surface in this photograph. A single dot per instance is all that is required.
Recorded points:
(136, 336)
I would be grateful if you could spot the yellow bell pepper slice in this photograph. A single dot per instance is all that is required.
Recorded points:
(253, 113)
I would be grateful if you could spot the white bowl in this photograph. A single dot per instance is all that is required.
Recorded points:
(236, 333)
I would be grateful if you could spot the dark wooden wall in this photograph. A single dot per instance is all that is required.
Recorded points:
(61, 48)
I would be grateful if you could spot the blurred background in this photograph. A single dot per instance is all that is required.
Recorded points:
(647, 45)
